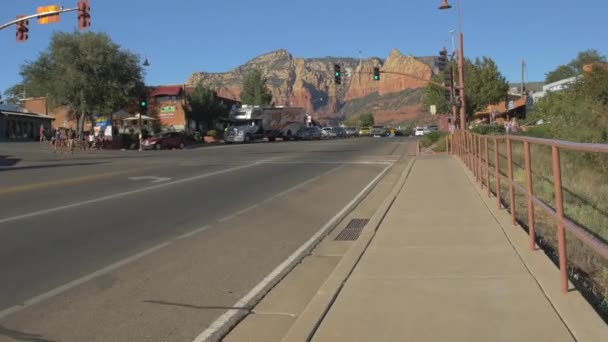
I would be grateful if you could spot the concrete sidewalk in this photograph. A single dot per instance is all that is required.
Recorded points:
(441, 268)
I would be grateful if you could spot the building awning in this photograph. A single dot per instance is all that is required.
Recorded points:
(28, 115)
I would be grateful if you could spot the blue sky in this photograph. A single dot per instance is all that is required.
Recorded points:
(183, 36)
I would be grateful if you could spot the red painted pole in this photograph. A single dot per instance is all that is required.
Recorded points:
(530, 188)
(559, 208)
(487, 154)
(497, 173)
(511, 188)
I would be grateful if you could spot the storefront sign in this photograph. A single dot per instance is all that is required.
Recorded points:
(167, 109)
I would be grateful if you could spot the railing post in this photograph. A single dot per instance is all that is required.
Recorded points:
(559, 208)
(480, 166)
(447, 144)
(487, 155)
(531, 232)
(497, 173)
(510, 175)
(475, 157)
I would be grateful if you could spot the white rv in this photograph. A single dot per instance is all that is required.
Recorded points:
(257, 123)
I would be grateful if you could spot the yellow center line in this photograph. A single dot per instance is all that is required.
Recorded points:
(68, 181)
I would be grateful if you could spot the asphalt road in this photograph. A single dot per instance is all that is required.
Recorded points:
(155, 246)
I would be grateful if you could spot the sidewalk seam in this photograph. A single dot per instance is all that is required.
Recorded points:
(519, 256)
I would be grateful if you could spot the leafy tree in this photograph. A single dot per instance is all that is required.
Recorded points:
(484, 83)
(575, 67)
(204, 106)
(367, 120)
(560, 73)
(433, 95)
(255, 91)
(86, 72)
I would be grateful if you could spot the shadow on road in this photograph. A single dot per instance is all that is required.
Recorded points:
(196, 306)
(22, 336)
(47, 166)
(6, 161)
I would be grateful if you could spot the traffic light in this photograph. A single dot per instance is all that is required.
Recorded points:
(22, 29)
(84, 14)
(143, 106)
(443, 59)
(337, 74)
(376, 74)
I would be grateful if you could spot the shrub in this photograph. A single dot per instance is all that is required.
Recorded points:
(431, 138)
(440, 145)
(488, 129)
(539, 131)
(212, 133)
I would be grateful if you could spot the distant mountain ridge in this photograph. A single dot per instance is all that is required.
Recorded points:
(309, 83)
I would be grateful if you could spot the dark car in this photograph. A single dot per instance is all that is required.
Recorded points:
(378, 131)
(308, 133)
(339, 132)
(168, 140)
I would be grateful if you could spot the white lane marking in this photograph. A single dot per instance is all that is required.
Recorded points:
(152, 179)
(194, 232)
(227, 218)
(229, 315)
(127, 193)
(241, 212)
(379, 162)
(294, 188)
(112, 267)
(80, 281)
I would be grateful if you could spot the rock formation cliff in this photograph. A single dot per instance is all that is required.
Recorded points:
(309, 83)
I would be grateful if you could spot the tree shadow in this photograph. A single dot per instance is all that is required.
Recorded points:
(22, 336)
(197, 307)
(6, 161)
(47, 166)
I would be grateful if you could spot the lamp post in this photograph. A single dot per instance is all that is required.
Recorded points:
(463, 120)
(141, 105)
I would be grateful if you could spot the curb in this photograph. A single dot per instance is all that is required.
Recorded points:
(307, 323)
(575, 312)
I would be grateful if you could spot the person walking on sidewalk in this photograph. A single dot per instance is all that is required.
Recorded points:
(57, 139)
(71, 135)
(42, 137)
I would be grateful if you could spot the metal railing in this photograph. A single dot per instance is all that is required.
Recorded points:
(473, 149)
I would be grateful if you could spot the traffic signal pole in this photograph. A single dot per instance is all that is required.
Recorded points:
(35, 16)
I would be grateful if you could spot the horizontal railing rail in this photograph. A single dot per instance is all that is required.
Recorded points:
(473, 150)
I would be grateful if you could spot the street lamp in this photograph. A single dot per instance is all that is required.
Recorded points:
(463, 120)
(143, 103)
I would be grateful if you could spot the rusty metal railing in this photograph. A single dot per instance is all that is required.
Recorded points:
(473, 150)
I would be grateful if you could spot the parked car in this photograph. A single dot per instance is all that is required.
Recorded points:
(364, 131)
(419, 132)
(430, 128)
(328, 132)
(340, 132)
(167, 140)
(308, 133)
(378, 131)
(351, 131)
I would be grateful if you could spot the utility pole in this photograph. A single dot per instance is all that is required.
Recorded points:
(523, 70)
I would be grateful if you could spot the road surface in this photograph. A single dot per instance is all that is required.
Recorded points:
(156, 246)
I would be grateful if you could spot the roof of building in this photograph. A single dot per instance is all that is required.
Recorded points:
(502, 107)
(26, 114)
(173, 90)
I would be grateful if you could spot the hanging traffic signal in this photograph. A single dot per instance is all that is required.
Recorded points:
(84, 14)
(337, 74)
(443, 59)
(376, 74)
(22, 29)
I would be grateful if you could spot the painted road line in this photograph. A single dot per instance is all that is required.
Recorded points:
(127, 193)
(194, 232)
(152, 179)
(221, 325)
(80, 281)
(38, 186)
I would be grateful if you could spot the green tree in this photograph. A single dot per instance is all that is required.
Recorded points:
(86, 72)
(484, 83)
(433, 95)
(575, 67)
(255, 91)
(367, 120)
(560, 73)
(204, 107)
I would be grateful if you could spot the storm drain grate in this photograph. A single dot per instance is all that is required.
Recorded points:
(352, 230)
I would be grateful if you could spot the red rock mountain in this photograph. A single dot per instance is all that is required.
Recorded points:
(309, 83)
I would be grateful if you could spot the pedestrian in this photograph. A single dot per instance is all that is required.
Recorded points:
(71, 135)
(42, 137)
(91, 139)
(57, 139)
